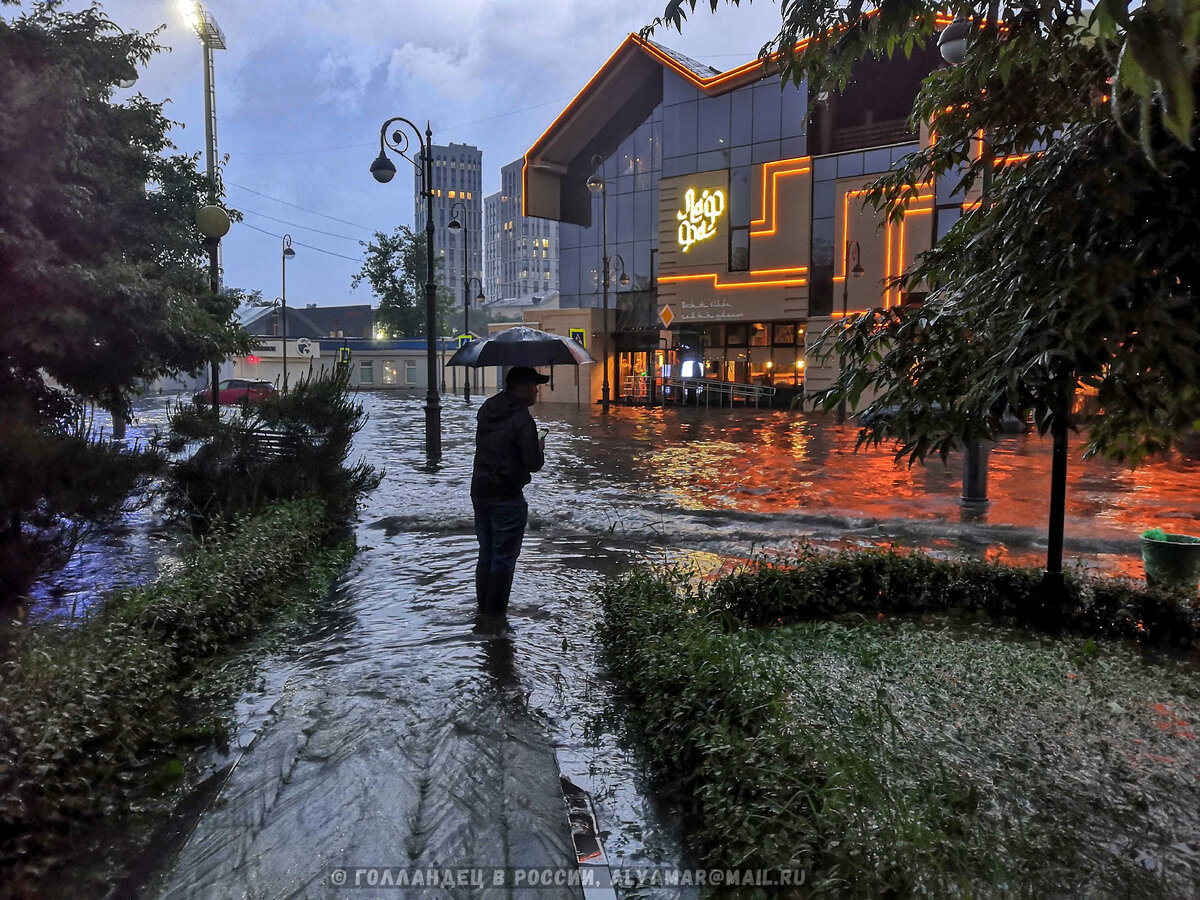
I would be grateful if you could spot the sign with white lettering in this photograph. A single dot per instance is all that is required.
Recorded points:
(698, 218)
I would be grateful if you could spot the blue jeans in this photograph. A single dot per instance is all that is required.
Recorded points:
(500, 528)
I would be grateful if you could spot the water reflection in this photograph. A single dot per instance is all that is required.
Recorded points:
(405, 731)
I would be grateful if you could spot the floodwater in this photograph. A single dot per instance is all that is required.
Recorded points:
(398, 733)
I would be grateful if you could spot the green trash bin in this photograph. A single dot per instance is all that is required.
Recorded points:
(1171, 560)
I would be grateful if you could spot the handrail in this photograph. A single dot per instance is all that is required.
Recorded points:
(679, 389)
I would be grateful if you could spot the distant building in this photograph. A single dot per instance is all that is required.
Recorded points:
(522, 252)
(457, 178)
(316, 322)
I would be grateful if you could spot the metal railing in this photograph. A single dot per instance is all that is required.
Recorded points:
(694, 390)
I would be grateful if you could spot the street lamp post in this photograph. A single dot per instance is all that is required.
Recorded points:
(383, 170)
(457, 225)
(597, 185)
(846, 272)
(285, 255)
(209, 218)
(954, 44)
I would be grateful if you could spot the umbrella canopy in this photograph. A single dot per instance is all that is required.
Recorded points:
(521, 346)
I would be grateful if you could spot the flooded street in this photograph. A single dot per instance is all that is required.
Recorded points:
(398, 734)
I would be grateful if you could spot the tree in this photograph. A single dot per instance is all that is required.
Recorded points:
(1080, 270)
(101, 272)
(395, 268)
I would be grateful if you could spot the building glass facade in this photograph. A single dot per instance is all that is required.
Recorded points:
(731, 206)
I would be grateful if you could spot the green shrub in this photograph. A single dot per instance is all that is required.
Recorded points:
(289, 446)
(817, 586)
(91, 713)
(725, 726)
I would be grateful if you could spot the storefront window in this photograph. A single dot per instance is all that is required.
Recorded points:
(713, 336)
(784, 334)
(759, 335)
(735, 335)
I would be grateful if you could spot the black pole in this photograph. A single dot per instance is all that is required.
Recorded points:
(433, 403)
(841, 409)
(283, 312)
(604, 393)
(466, 299)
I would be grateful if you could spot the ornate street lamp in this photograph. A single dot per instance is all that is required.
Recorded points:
(457, 225)
(856, 271)
(383, 170)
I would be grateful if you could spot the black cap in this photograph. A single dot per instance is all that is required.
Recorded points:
(524, 375)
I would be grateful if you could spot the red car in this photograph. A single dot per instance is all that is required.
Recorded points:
(236, 390)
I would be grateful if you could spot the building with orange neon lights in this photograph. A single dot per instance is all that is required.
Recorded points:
(730, 205)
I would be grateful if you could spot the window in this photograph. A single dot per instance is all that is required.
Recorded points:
(784, 334)
(735, 335)
(389, 372)
(366, 372)
(410, 371)
(759, 335)
(739, 248)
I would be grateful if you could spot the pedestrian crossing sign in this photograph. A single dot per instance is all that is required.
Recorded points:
(579, 336)
(464, 339)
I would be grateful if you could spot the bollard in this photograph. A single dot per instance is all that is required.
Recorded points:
(975, 472)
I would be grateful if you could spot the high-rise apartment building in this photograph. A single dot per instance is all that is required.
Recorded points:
(522, 252)
(457, 178)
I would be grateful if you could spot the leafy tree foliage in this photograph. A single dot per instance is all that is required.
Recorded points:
(1079, 269)
(395, 269)
(101, 268)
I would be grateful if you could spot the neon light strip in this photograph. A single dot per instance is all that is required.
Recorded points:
(768, 166)
(736, 285)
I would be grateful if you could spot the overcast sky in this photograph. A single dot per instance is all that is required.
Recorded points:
(304, 86)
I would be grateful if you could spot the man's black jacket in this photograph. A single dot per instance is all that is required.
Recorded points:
(507, 450)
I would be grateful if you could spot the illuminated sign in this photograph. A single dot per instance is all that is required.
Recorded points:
(579, 336)
(698, 218)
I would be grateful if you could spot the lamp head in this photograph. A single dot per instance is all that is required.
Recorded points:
(952, 42)
(128, 76)
(623, 281)
(212, 221)
(479, 298)
(858, 270)
(383, 169)
(455, 225)
(289, 253)
(595, 184)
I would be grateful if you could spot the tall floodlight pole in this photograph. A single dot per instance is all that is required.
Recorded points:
(383, 170)
(211, 38)
(597, 185)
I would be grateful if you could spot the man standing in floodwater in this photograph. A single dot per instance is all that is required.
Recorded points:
(508, 450)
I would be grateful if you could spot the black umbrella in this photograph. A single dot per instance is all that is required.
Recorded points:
(521, 346)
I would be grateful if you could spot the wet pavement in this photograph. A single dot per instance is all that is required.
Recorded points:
(398, 734)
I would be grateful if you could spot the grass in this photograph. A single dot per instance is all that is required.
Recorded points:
(983, 761)
(931, 751)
